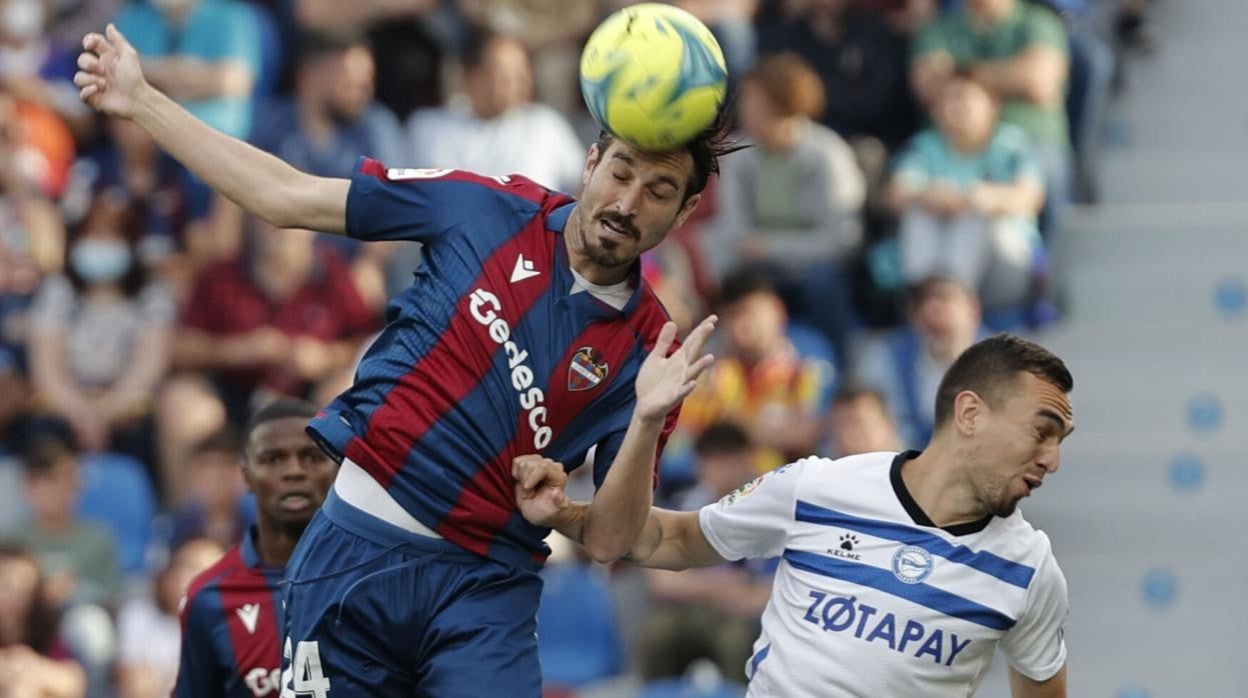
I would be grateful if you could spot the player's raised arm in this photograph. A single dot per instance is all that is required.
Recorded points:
(111, 81)
(620, 507)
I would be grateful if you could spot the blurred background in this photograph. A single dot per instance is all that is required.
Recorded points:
(925, 173)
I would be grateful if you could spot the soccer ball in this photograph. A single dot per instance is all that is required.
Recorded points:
(653, 75)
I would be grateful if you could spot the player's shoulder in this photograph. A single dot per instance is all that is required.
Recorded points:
(650, 316)
(457, 183)
(207, 583)
(1014, 538)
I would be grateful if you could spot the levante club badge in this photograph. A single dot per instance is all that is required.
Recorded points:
(587, 370)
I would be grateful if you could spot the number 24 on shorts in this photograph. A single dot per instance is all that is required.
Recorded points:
(303, 677)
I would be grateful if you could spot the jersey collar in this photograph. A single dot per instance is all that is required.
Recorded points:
(250, 554)
(916, 513)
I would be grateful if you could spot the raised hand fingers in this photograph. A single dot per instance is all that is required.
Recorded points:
(96, 43)
(663, 343)
(90, 63)
(699, 367)
(698, 337)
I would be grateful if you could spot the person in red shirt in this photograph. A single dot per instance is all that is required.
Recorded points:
(284, 318)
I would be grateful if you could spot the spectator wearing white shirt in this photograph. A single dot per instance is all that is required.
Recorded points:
(495, 127)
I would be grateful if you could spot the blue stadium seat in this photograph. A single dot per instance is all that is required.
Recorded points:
(116, 493)
(577, 629)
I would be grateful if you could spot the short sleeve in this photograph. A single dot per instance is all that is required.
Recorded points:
(156, 306)
(1044, 28)
(754, 520)
(1036, 645)
(199, 672)
(426, 204)
(933, 38)
(911, 167)
(53, 305)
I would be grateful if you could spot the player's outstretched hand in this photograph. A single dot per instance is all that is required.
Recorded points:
(663, 380)
(540, 484)
(109, 77)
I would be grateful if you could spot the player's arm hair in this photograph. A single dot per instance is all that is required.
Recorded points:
(255, 180)
(1052, 687)
(669, 540)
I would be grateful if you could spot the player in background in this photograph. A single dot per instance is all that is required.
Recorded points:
(901, 573)
(230, 619)
(528, 329)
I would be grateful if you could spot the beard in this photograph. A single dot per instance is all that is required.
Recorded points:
(606, 252)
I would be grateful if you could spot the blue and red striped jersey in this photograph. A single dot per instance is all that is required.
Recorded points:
(231, 643)
(488, 355)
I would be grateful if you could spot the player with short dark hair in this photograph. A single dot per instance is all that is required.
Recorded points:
(901, 573)
(231, 643)
(528, 329)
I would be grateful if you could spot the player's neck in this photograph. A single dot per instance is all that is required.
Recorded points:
(274, 544)
(937, 482)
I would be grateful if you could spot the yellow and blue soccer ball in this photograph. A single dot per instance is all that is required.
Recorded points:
(653, 75)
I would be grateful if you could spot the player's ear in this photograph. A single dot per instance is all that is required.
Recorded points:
(591, 161)
(686, 210)
(242, 465)
(968, 407)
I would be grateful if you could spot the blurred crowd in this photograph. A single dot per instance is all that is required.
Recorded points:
(911, 162)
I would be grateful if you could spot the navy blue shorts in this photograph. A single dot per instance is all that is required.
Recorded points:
(373, 610)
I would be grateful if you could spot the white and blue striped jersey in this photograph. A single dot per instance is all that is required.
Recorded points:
(872, 599)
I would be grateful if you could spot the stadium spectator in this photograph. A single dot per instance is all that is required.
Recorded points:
(77, 558)
(553, 31)
(712, 612)
(33, 660)
(149, 637)
(329, 122)
(282, 319)
(968, 193)
(100, 334)
(37, 69)
(407, 40)
(1017, 49)
(69, 20)
(794, 202)
(496, 128)
(214, 505)
(30, 226)
(203, 53)
(859, 422)
(859, 58)
(906, 369)
(759, 381)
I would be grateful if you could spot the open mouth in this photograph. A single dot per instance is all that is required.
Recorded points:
(1033, 483)
(295, 501)
(616, 229)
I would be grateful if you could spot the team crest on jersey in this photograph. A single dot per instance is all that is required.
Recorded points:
(587, 370)
(912, 564)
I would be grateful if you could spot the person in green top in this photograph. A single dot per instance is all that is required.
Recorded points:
(967, 193)
(77, 557)
(1018, 50)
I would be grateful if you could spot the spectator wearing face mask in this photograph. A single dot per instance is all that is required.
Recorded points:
(99, 342)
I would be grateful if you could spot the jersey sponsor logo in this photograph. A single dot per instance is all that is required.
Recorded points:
(912, 564)
(398, 174)
(249, 613)
(846, 548)
(524, 269)
(262, 682)
(486, 309)
(587, 370)
(840, 614)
